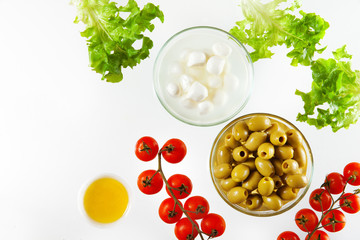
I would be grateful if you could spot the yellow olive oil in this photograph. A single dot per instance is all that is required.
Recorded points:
(106, 200)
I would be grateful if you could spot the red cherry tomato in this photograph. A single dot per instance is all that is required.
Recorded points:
(288, 235)
(334, 221)
(306, 219)
(150, 182)
(169, 211)
(335, 183)
(318, 235)
(184, 230)
(350, 203)
(180, 185)
(213, 225)
(320, 200)
(146, 149)
(197, 207)
(174, 150)
(352, 173)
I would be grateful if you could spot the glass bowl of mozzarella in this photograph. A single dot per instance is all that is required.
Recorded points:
(203, 76)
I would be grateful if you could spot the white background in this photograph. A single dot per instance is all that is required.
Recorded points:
(60, 125)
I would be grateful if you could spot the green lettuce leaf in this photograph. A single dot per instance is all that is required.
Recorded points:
(111, 38)
(334, 99)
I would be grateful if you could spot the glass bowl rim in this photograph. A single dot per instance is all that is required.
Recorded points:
(292, 203)
(250, 76)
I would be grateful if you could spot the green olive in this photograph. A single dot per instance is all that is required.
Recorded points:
(290, 166)
(230, 141)
(296, 181)
(222, 170)
(240, 154)
(250, 162)
(300, 156)
(227, 184)
(240, 173)
(223, 155)
(259, 123)
(265, 167)
(272, 202)
(277, 181)
(284, 152)
(294, 138)
(266, 186)
(274, 127)
(266, 150)
(278, 138)
(251, 183)
(254, 201)
(240, 131)
(287, 193)
(237, 195)
(278, 166)
(255, 140)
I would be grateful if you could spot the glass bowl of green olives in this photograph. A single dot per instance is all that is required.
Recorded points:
(261, 164)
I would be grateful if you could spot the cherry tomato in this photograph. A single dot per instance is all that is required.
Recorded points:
(288, 235)
(334, 221)
(169, 211)
(150, 182)
(352, 173)
(335, 183)
(146, 149)
(180, 185)
(184, 230)
(174, 150)
(306, 219)
(350, 203)
(197, 207)
(320, 200)
(213, 225)
(318, 235)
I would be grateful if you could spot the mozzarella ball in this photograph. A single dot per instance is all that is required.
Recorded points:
(215, 65)
(185, 82)
(214, 81)
(220, 97)
(173, 89)
(196, 58)
(197, 92)
(205, 107)
(176, 69)
(221, 49)
(187, 103)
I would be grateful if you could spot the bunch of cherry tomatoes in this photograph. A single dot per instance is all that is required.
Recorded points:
(178, 187)
(332, 210)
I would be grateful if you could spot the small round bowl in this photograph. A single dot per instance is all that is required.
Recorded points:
(179, 65)
(224, 139)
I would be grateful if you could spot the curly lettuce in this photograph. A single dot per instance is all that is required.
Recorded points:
(111, 38)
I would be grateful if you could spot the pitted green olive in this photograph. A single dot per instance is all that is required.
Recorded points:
(251, 183)
(266, 186)
(297, 181)
(259, 123)
(222, 170)
(266, 150)
(265, 167)
(255, 140)
(250, 162)
(287, 193)
(254, 201)
(240, 173)
(290, 166)
(230, 141)
(240, 154)
(278, 166)
(237, 195)
(240, 131)
(272, 202)
(294, 138)
(277, 181)
(278, 138)
(223, 155)
(300, 156)
(228, 184)
(275, 126)
(284, 152)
